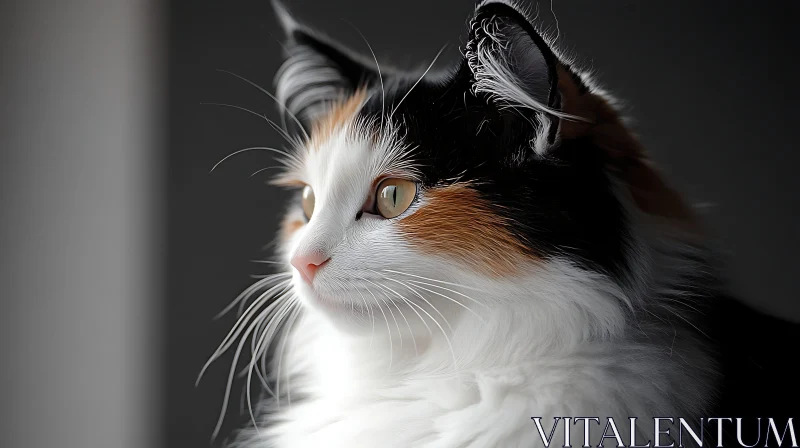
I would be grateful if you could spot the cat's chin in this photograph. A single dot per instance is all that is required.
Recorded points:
(331, 305)
(347, 316)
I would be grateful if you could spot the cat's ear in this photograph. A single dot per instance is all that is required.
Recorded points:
(512, 65)
(316, 71)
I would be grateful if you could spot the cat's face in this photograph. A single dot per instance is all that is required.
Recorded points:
(442, 194)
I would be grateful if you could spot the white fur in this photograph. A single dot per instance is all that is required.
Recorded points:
(385, 353)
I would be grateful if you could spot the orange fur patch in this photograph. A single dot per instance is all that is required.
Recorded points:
(457, 222)
(340, 114)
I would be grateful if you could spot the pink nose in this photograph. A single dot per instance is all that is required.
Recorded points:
(308, 264)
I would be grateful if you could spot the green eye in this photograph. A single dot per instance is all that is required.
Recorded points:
(308, 201)
(395, 196)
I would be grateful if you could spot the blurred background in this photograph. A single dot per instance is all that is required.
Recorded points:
(118, 246)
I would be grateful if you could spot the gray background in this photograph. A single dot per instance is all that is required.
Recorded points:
(118, 247)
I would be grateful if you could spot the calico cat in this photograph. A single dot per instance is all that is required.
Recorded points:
(468, 249)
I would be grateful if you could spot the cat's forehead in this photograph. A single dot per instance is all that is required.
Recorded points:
(348, 143)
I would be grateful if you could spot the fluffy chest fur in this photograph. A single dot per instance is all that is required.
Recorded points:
(346, 394)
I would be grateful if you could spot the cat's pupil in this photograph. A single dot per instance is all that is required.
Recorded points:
(394, 195)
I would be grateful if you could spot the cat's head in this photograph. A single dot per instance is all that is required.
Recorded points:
(508, 175)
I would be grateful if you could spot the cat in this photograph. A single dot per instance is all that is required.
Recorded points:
(470, 248)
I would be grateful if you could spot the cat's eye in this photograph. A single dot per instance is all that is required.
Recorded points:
(395, 196)
(308, 201)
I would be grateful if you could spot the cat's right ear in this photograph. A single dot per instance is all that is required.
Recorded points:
(317, 70)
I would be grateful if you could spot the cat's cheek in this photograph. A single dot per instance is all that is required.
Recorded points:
(455, 222)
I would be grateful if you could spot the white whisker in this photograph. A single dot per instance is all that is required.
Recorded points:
(265, 169)
(286, 335)
(424, 300)
(380, 75)
(249, 291)
(280, 358)
(372, 317)
(380, 308)
(444, 333)
(274, 98)
(451, 299)
(252, 148)
(450, 290)
(399, 332)
(238, 327)
(436, 322)
(418, 81)
(265, 340)
(231, 373)
(405, 300)
(410, 331)
(432, 280)
(271, 123)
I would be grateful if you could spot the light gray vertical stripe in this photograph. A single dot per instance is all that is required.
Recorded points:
(78, 172)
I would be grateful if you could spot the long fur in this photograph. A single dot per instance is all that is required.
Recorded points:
(395, 345)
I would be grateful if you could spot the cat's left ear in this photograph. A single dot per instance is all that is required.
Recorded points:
(317, 70)
(513, 66)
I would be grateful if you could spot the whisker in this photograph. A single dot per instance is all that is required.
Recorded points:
(243, 303)
(424, 300)
(436, 322)
(399, 332)
(265, 337)
(372, 315)
(275, 291)
(380, 308)
(480, 318)
(433, 280)
(450, 290)
(274, 98)
(265, 169)
(280, 359)
(252, 148)
(380, 75)
(281, 263)
(249, 370)
(418, 81)
(271, 123)
(254, 357)
(238, 327)
(288, 331)
(249, 291)
(405, 300)
(231, 373)
(410, 331)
